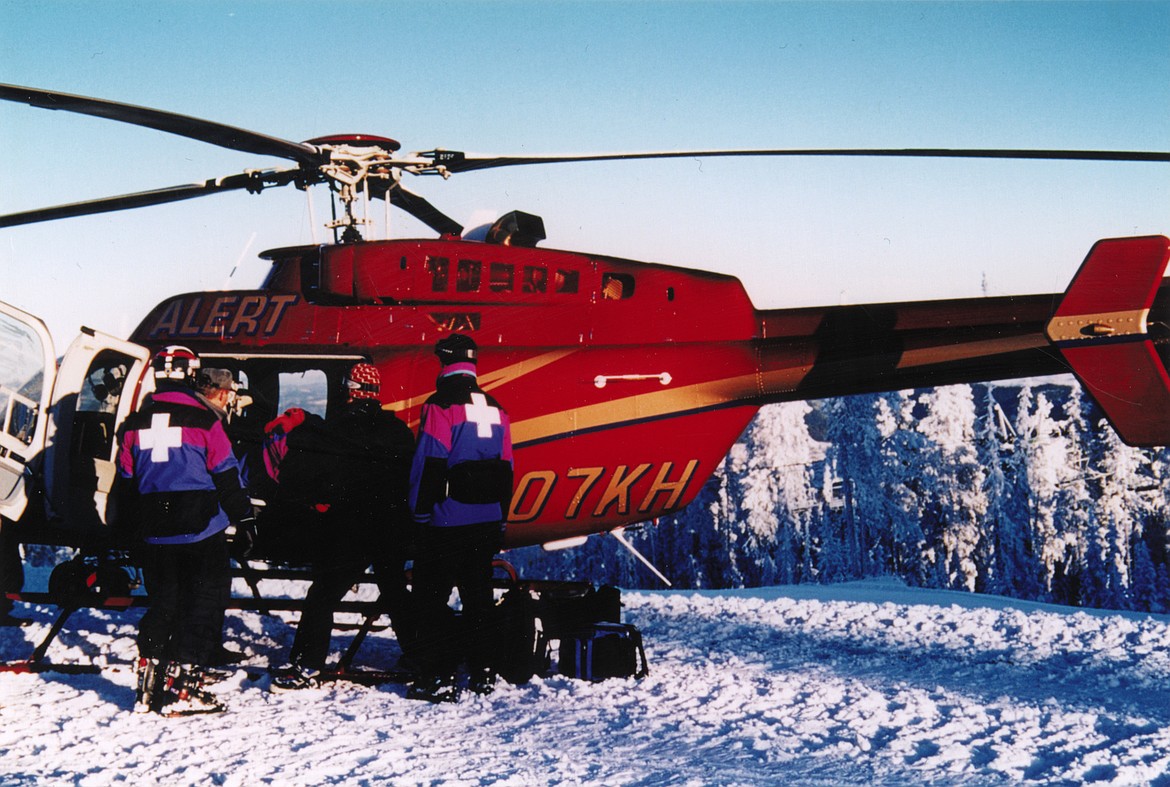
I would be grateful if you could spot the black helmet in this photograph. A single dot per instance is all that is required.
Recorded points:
(456, 348)
(175, 362)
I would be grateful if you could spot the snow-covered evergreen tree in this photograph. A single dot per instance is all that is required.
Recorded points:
(1004, 555)
(1119, 474)
(956, 480)
(905, 517)
(1058, 497)
(780, 495)
(855, 537)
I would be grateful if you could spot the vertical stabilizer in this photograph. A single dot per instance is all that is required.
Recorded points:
(1102, 328)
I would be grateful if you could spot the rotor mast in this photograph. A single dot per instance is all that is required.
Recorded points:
(354, 160)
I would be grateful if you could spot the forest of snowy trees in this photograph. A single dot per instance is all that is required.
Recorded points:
(1018, 489)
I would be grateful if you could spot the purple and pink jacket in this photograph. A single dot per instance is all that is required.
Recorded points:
(180, 461)
(462, 468)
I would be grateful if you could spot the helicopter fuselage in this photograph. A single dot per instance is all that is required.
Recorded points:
(626, 382)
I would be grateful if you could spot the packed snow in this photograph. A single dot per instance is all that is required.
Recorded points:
(866, 682)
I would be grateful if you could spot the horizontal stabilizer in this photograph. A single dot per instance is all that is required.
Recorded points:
(1102, 329)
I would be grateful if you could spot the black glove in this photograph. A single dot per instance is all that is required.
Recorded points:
(245, 539)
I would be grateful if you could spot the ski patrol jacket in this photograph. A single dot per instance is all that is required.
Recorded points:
(179, 460)
(462, 469)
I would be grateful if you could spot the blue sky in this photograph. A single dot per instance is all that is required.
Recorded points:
(529, 77)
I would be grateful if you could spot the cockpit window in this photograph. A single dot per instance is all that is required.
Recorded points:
(21, 378)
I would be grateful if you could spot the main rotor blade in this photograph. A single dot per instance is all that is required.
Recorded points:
(456, 161)
(170, 122)
(416, 206)
(250, 181)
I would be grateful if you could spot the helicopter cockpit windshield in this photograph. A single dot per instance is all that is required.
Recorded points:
(21, 378)
(27, 372)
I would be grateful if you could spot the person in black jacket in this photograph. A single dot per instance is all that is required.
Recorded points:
(363, 457)
(185, 490)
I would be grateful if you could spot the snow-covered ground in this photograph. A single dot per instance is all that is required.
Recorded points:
(861, 683)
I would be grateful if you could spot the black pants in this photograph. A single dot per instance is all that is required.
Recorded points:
(446, 558)
(189, 586)
(11, 566)
(338, 567)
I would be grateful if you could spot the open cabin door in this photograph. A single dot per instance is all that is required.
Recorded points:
(98, 385)
(28, 369)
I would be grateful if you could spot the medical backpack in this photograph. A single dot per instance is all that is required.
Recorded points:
(603, 650)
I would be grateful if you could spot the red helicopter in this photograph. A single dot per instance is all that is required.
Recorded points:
(627, 382)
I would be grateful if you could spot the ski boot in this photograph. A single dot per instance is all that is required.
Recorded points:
(482, 681)
(183, 694)
(149, 677)
(208, 676)
(295, 676)
(434, 688)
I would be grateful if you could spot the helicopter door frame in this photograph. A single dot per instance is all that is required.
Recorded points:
(81, 447)
(25, 342)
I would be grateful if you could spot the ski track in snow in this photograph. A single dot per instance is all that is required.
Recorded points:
(745, 687)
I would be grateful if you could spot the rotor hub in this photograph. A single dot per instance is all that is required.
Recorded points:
(353, 160)
(356, 141)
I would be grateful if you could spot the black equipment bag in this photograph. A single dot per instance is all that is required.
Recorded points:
(603, 650)
(521, 648)
(572, 606)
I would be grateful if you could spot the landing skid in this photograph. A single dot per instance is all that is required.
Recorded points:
(561, 607)
(366, 677)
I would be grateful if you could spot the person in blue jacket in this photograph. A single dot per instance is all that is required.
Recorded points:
(185, 491)
(460, 492)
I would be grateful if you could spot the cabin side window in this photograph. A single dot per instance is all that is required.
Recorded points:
(535, 279)
(501, 277)
(102, 391)
(437, 267)
(468, 275)
(476, 276)
(567, 280)
(617, 286)
(308, 390)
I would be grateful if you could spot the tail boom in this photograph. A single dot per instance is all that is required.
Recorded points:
(1106, 328)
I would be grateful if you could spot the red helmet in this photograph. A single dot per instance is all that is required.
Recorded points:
(363, 381)
(175, 362)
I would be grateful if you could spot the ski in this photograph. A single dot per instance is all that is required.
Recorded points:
(366, 677)
(29, 666)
